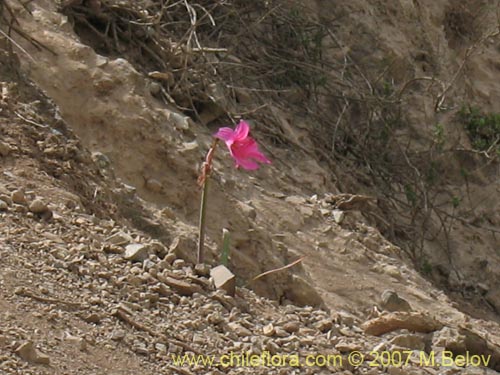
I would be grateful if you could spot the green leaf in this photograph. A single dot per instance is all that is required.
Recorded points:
(226, 240)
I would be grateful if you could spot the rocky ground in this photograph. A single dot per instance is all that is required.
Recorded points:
(98, 205)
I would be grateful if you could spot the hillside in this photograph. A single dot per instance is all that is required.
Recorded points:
(381, 123)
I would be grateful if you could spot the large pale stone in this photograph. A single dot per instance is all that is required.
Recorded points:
(224, 279)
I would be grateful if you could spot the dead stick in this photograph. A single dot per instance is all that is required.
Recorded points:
(122, 315)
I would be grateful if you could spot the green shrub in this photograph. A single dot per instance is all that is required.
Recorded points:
(483, 128)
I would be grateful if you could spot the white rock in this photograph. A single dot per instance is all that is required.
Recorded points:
(338, 216)
(224, 279)
(136, 252)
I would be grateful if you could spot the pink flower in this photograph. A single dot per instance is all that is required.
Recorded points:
(242, 147)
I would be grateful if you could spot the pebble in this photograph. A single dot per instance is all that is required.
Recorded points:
(170, 258)
(118, 335)
(38, 207)
(347, 347)
(184, 288)
(239, 329)
(18, 197)
(119, 239)
(78, 342)
(172, 348)
(272, 347)
(307, 341)
(148, 264)
(179, 263)
(162, 290)
(154, 185)
(140, 348)
(3, 206)
(136, 252)
(338, 216)
(280, 332)
(324, 325)
(202, 269)
(391, 301)
(6, 199)
(268, 330)
(92, 318)
(161, 347)
(292, 326)
(215, 318)
(20, 209)
(5, 149)
(28, 352)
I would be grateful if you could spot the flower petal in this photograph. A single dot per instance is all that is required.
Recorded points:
(261, 157)
(226, 134)
(243, 148)
(246, 164)
(241, 131)
(249, 149)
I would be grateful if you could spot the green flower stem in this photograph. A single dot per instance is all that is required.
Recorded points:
(204, 178)
(203, 207)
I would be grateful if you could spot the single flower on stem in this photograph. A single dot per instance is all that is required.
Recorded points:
(242, 147)
(203, 178)
(245, 153)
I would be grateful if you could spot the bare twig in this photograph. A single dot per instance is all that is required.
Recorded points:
(290, 265)
(27, 293)
(468, 53)
(30, 121)
(124, 316)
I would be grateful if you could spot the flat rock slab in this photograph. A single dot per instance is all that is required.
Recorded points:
(182, 287)
(415, 322)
